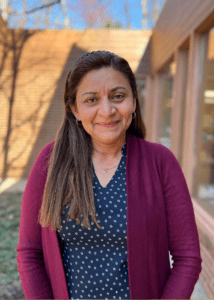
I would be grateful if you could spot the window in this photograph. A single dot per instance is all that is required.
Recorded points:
(141, 82)
(204, 172)
(166, 104)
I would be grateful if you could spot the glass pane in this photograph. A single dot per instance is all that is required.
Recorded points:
(141, 85)
(204, 174)
(165, 129)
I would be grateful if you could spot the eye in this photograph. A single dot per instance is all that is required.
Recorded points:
(90, 100)
(119, 96)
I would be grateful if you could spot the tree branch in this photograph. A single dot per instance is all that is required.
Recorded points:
(13, 12)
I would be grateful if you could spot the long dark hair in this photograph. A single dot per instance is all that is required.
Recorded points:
(70, 173)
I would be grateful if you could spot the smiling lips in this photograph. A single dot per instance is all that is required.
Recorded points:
(109, 124)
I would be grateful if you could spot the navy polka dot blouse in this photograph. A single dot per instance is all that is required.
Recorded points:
(95, 260)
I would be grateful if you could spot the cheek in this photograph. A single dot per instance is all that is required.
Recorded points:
(86, 115)
(87, 120)
(128, 112)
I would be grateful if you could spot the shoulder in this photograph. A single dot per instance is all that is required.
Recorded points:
(150, 149)
(38, 174)
(155, 155)
(43, 158)
(47, 150)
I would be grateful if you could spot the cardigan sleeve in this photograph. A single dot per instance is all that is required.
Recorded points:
(31, 267)
(183, 237)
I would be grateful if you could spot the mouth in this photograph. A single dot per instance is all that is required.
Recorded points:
(109, 124)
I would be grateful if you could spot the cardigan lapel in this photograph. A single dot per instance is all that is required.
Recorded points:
(54, 263)
(136, 222)
(136, 234)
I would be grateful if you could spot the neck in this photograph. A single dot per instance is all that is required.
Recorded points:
(105, 152)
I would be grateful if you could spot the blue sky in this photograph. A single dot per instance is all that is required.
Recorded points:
(115, 11)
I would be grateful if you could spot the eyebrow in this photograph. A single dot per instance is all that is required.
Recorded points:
(112, 90)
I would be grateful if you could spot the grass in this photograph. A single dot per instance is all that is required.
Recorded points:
(10, 212)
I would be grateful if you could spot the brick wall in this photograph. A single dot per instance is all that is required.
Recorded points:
(33, 68)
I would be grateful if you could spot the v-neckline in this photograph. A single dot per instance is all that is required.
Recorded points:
(116, 171)
(104, 187)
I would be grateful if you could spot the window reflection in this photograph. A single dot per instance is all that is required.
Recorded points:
(165, 129)
(204, 174)
(141, 82)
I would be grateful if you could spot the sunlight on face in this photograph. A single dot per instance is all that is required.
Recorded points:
(104, 96)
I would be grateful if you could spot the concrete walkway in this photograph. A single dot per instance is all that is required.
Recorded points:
(12, 185)
(199, 292)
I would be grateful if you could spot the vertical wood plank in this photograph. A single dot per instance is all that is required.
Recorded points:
(178, 105)
(194, 83)
(176, 22)
(148, 104)
(157, 108)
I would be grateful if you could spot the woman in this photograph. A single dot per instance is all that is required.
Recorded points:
(102, 206)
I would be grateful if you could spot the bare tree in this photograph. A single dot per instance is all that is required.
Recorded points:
(65, 12)
(47, 14)
(127, 13)
(144, 5)
(12, 42)
(150, 15)
(4, 9)
(24, 17)
(7, 10)
(155, 10)
(93, 13)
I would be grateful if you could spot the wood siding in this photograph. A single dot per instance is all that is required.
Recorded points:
(43, 60)
(177, 21)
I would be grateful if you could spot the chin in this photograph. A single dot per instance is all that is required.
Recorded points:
(109, 137)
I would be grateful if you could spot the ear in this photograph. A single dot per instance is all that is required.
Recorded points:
(74, 111)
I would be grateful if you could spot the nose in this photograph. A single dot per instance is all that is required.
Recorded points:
(106, 107)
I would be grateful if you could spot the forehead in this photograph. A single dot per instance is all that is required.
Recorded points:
(103, 77)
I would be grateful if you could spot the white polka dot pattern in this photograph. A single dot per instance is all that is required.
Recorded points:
(95, 260)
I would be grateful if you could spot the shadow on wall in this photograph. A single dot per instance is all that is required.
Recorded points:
(31, 92)
(54, 115)
(12, 43)
(144, 66)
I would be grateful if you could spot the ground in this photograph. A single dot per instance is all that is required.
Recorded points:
(10, 209)
(10, 284)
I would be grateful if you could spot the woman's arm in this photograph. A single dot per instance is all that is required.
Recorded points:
(35, 282)
(182, 231)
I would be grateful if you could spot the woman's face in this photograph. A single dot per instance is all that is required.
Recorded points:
(104, 96)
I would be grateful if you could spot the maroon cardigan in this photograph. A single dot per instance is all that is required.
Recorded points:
(160, 219)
